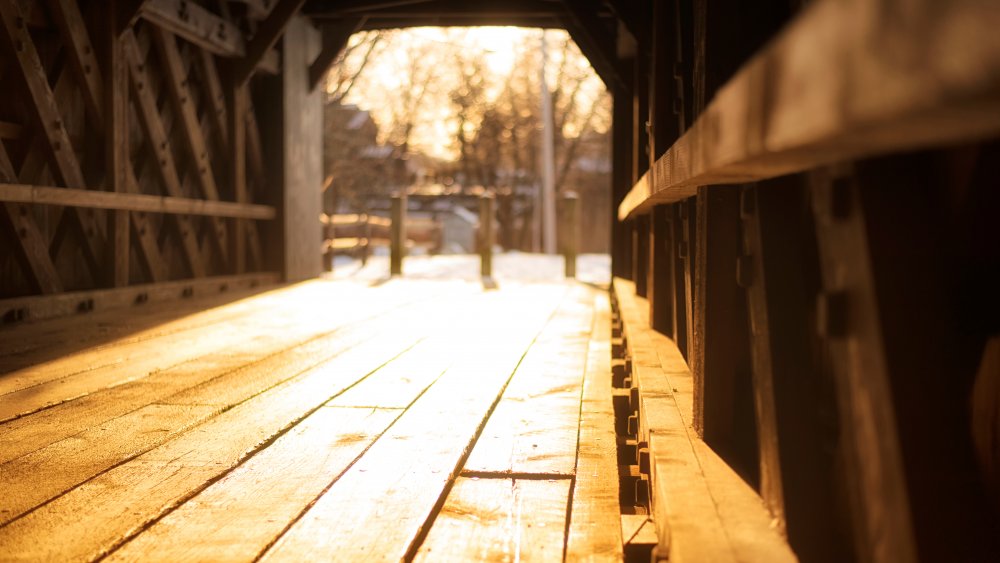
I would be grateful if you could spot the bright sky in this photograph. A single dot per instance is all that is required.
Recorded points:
(388, 71)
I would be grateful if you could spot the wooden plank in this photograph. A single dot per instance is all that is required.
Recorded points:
(70, 303)
(396, 385)
(535, 426)
(237, 98)
(703, 510)
(93, 199)
(268, 33)
(223, 522)
(214, 97)
(593, 533)
(194, 23)
(133, 494)
(30, 480)
(499, 520)
(116, 144)
(32, 389)
(818, 108)
(410, 466)
(12, 131)
(148, 247)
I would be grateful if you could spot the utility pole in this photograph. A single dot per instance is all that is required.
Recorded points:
(548, 165)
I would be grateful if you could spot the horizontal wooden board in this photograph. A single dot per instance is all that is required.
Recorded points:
(702, 509)
(386, 498)
(593, 531)
(237, 517)
(123, 201)
(535, 426)
(845, 80)
(499, 520)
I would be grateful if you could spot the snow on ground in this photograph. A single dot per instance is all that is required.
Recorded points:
(512, 266)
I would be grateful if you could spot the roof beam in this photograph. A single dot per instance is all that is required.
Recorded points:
(594, 38)
(268, 33)
(335, 37)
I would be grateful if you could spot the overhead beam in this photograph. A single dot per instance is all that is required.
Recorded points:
(819, 109)
(594, 38)
(197, 25)
(335, 37)
(268, 33)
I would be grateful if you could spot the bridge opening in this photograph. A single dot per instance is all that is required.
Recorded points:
(448, 116)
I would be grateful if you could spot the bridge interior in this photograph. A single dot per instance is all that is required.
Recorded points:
(797, 358)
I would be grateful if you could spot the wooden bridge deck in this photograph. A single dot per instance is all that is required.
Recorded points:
(328, 420)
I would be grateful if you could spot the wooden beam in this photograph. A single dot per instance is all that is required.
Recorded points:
(116, 141)
(26, 241)
(175, 76)
(595, 39)
(196, 24)
(82, 58)
(335, 37)
(236, 98)
(46, 112)
(819, 108)
(129, 12)
(95, 199)
(159, 143)
(268, 33)
(71, 303)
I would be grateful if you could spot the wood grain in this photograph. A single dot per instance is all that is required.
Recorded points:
(499, 520)
(594, 530)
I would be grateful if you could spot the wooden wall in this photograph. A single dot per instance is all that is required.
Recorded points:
(133, 149)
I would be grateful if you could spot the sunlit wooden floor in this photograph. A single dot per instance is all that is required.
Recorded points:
(329, 420)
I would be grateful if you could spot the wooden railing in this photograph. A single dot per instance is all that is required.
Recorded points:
(355, 234)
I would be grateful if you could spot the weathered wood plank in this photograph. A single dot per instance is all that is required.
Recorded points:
(539, 436)
(806, 99)
(197, 25)
(499, 520)
(703, 510)
(31, 389)
(594, 530)
(133, 494)
(93, 199)
(395, 385)
(30, 480)
(409, 467)
(224, 522)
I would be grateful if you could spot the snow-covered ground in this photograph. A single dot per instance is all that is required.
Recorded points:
(513, 266)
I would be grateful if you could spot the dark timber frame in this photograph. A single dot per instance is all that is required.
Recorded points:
(805, 245)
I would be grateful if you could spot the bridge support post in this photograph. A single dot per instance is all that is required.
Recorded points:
(397, 234)
(571, 231)
(486, 234)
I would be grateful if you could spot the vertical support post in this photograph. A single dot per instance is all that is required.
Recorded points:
(571, 228)
(640, 254)
(238, 107)
(117, 143)
(486, 234)
(661, 274)
(397, 235)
